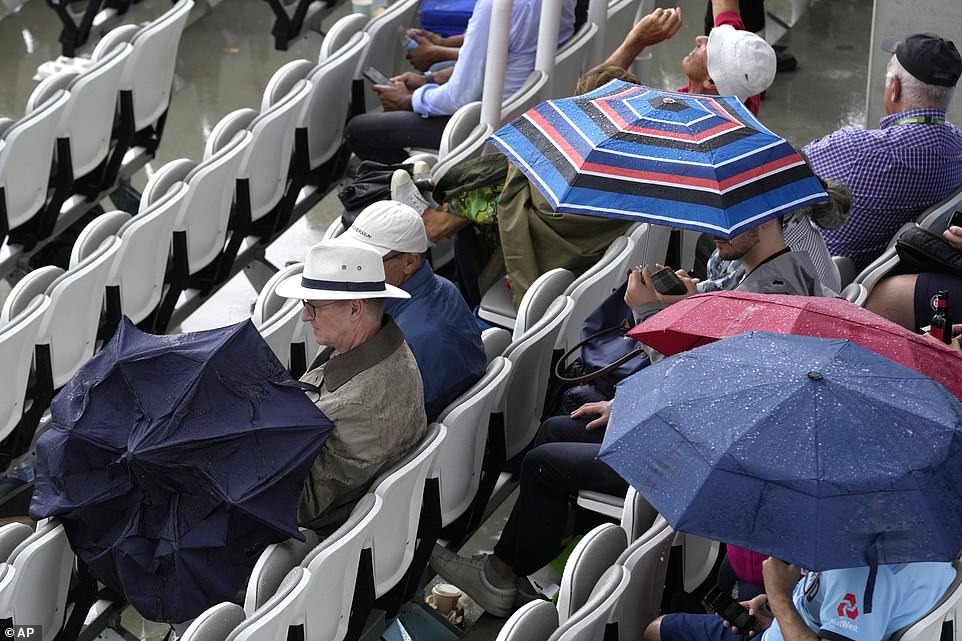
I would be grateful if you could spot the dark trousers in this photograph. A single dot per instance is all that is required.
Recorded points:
(382, 136)
(562, 461)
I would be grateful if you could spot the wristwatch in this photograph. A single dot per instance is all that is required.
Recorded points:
(429, 77)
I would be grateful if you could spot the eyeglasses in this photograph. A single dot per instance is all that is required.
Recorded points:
(312, 309)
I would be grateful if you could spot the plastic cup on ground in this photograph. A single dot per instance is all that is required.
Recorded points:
(445, 597)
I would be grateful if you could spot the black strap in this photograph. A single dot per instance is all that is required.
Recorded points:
(560, 366)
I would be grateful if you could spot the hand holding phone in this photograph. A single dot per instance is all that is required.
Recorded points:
(666, 281)
(955, 220)
(722, 604)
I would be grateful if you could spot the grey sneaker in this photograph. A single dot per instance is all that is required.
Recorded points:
(468, 574)
(405, 191)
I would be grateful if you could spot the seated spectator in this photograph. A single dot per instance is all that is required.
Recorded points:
(770, 268)
(908, 299)
(801, 235)
(365, 380)
(826, 605)
(563, 459)
(913, 161)
(416, 107)
(437, 324)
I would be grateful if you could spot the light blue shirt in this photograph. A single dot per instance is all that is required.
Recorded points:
(834, 604)
(467, 80)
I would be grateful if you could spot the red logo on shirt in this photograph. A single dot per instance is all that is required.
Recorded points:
(847, 607)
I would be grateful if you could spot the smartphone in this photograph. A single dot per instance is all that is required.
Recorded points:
(956, 220)
(666, 281)
(722, 604)
(376, 77)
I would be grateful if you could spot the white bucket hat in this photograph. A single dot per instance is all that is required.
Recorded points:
(739, 62)
(387, 226)
(335, 271)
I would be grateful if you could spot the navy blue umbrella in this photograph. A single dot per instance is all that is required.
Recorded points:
(174, 461)
(812, 450)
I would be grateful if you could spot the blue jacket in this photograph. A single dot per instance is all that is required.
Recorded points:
(443, 335)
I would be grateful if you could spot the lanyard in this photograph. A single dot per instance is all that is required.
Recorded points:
(920, 120)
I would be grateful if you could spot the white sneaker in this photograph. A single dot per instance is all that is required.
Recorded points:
(405, 191)
(421, 171)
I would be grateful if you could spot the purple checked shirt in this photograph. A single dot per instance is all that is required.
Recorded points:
(913, 161)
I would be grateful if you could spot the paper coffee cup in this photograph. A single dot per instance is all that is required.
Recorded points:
(362, 6)
(445, 597)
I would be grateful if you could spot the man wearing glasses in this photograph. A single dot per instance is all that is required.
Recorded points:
(365, 378)
(437, 324)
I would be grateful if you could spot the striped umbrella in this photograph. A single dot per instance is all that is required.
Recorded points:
(684, 160)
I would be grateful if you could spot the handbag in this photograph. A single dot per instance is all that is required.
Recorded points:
(921, 250)
(607, 355)
(371, 184)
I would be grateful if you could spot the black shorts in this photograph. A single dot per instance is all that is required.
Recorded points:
(926, 287)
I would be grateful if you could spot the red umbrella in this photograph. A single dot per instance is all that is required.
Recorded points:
(706, 318)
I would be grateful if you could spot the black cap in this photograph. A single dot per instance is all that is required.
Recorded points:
(930, 58)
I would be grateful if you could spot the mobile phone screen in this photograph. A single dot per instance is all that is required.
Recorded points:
(376, 77)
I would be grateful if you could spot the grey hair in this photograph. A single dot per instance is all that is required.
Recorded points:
(916, 93)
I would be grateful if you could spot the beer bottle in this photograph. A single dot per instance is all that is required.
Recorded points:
(942, 321)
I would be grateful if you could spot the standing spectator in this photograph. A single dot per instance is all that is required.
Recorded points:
(911, 162)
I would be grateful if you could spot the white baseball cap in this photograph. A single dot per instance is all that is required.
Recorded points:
(335, 271)
(740, 63)
(387, 226)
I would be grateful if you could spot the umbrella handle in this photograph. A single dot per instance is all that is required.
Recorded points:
(560, 366)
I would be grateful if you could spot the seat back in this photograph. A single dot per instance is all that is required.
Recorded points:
(326, 113)
(651, 244)
(543, 291)
(638, 515)
(595, 285)
(396, 526)
(17, 340)
(495, 340)
(946, 612)
(466, 420)
(90, 113)
(340, 34)
(215, 623)
(95, 233)
(12, 535)
(337, 556)
(273, 565)
(149, 72)
(595, 552)
(36, 588)
(34, 284)
(271, 621)
(206, 208)
(530, 356)
(144, 248)
(76, 301)
(573, 60)
(647, 563)
(269, 158)
(534, 621)
(459, 128)
(937, 216)
(385, 52)
(588, 623)
(26, 154)
(278, 319)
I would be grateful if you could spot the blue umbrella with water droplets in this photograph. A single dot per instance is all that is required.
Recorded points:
(815, 451)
